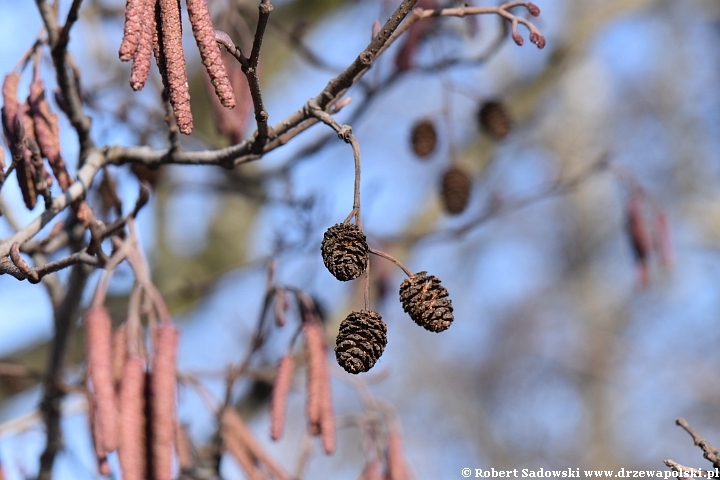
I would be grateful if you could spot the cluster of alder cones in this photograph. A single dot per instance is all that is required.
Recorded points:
(155, 26)
(363, 334)
(456, 182)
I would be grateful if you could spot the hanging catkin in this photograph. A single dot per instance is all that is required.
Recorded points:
(132, 415)
(131, 29)
(174, 63)
(204, 33)
(281, 389)
(163, 382)
(144, 37)
(99, 363)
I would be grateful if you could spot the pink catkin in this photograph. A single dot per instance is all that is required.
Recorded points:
(132, 416)
(99, 353)
(232, 124)
(327, 419)
(234, 427)
(142, 56)
(663, 244)
(639, 238)
(372, 470)
(96, 434)
(183, 447)
(241, 455)
(119, 352)
(315, 353)
(278, 402)
(204, 33)
(397, 469)
(163, 382)
(172, 52)
(131, 31)
(319, 402)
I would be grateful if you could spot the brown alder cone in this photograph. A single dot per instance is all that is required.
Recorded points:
(132, 415)
(281, 389)
(99, 364)
(456, 187)
(204, 33)
(423, 138)
(172, 52)
(494, 119)
(144, 37)
(47, 133)
(96, 435)
(162, 386)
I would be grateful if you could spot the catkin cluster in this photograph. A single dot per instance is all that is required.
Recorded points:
(155, 26)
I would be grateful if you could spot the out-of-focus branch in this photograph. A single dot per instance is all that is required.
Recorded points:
(710, 452)
(66, 78)
(53, 393)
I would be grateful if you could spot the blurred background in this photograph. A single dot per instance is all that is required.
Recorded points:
(571, 347)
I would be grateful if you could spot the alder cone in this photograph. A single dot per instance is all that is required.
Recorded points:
(456, 186)
(345, 251)
(494, 119)
(423, 138)
(425, 300)
(361, 341)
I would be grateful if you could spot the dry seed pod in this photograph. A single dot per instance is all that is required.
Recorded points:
(99, 363)
(425, 300)
(494, 119)
(10, 106)
(204, 33)
(361, 341)
(423, 138)
(456, 186)
(47, 133)
(345, 251)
